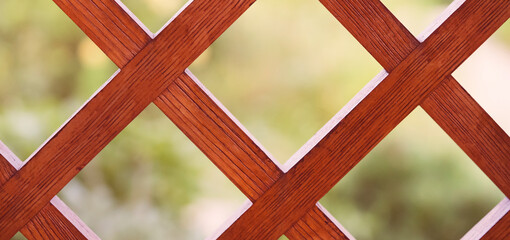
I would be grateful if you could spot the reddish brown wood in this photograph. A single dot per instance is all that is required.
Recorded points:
(473, 130)
(419, 74)
(190, 93)
(449, 104)
(495, 225)
(370, 120)
(55, 220)
(108, 24)
(110, 110)
(228, 145)
(196, 114)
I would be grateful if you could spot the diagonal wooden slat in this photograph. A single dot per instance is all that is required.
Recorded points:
(216, 132)
(110, 26)
(370, 120)
(110, 110)
(217, 137)
(55, 220)
(473, 129)
(93, 14)
(111, 23)
(59, 222)
(262, 170)
(449, 104)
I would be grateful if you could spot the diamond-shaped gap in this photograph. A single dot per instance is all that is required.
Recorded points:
(416, 184)
(417, 15)
(48, 69)
(284, 75)
(19, 236)
(485, 76)
(154, 13)
(151, 182)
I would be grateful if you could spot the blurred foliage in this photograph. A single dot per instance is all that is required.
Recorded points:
(283, 69)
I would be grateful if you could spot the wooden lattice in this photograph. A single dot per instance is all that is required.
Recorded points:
(284, 199)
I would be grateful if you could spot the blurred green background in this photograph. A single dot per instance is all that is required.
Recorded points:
(283, 69)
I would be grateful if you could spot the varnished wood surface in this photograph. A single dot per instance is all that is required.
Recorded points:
(389, 42)
(153, 69)
(230, 157)
(216, 132)
(458, 114)
(322, 225)
(107, 24)
(111, 109)
(473, 130)
(370, 120)
(55, 220)
(449, 104)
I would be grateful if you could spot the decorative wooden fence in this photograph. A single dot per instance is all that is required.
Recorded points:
(153, 69)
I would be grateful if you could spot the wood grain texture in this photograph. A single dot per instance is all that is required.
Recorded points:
(458, 114)
(473, 130)
(111, 53)
(221, 140)
(111, 109)
(495, 225)
(370, 120)
(468, 124)
(55, 220)
(228, 145)
(283, 203)
(224, 141)
(109, 25)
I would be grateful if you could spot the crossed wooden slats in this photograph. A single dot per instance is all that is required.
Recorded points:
(223, 140)
(251, 181)
(355, 132)
(312, 227)
(117, 103)
(114, 53)
(186, 97)
(449, 104)
(55, 220)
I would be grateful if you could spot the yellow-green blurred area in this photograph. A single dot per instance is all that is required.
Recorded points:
(283, 69)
